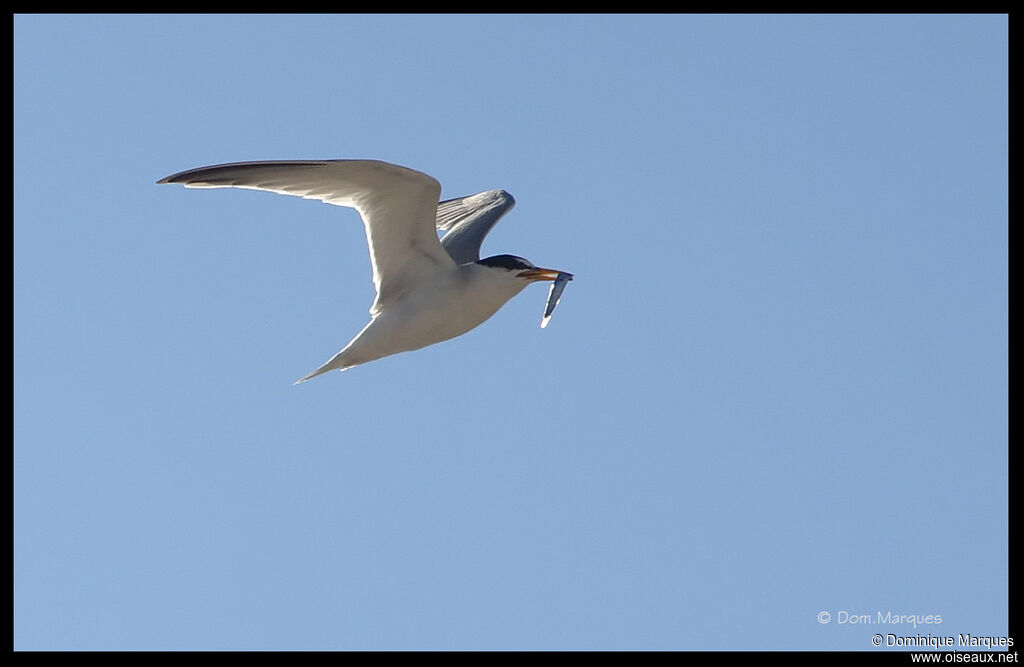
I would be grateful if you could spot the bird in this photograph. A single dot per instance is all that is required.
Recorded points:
(428, 289)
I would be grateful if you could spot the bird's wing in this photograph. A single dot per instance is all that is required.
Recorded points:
(467, 220)
(398, 207)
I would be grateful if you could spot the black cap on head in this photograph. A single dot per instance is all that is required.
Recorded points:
(510, 262)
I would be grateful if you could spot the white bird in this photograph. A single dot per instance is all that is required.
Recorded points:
(428, 289)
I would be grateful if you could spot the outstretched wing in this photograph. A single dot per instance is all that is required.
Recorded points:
(398, 207)
(467, 221)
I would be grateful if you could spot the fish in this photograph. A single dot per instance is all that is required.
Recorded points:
(554, 296)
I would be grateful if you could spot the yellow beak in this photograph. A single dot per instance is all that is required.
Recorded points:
(540, 274)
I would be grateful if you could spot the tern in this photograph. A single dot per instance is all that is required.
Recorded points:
(428, 289)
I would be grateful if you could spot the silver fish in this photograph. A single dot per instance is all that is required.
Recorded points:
(554, 296)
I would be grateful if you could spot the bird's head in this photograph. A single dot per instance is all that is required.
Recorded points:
(519, 268)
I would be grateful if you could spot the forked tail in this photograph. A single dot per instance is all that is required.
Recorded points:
(336, 362)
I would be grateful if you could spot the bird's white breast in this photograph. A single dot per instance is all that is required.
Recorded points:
(448, 305)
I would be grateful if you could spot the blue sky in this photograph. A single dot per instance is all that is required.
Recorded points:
(777, 386)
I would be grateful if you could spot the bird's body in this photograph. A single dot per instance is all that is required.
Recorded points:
(451, 304)
(428, 290)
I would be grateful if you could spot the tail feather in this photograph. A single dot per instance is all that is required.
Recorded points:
(336, 362)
